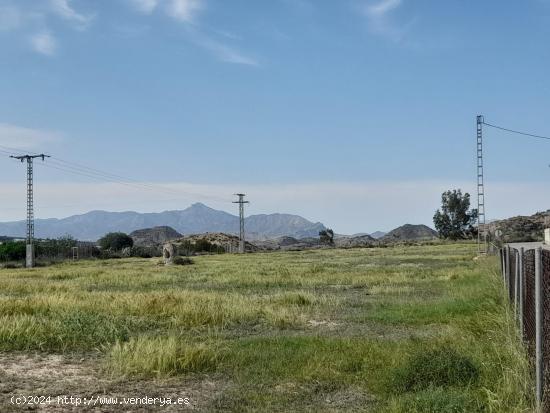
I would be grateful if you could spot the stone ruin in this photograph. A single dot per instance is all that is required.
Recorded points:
(169, 252)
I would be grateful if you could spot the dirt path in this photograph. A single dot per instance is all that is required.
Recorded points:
(59, 376)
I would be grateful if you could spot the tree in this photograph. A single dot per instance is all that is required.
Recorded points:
(455, 220)
(326, 236)
(115, 241)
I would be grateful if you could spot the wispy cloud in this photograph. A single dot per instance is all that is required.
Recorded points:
(63, 9)
(224, 52)
(181, 10)
(145, 6)
(26, 138)
(382, 8)
(184, 10)
(44, 43)
(381, 21)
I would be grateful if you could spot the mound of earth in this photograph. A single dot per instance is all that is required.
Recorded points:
(288, 243)
(520, 228)
(227, 241)
(409, 232)
(151, 237)
(355, 241)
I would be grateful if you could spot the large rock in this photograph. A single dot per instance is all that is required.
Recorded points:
(151, 237)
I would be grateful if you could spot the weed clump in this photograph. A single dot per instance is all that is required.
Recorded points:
(161, 356)
(442, 367)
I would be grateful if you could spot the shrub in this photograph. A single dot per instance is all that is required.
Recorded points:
(200, 246)
(13, 251)
(442, 367)
(145, 252)
(116, 241)
(183, 261)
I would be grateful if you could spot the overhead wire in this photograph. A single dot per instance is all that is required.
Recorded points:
(97, 174)
(532, 135)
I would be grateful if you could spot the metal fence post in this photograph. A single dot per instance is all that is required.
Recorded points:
(520, 290)
(503, 262)
(538, 323)
(507, 269)
(516, 284)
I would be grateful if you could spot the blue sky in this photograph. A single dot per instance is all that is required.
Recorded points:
(355, 113)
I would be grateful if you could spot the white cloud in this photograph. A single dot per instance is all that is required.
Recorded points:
(183, 10)
(44, 43)
(63, 8)
(145, 6)
(25, 138)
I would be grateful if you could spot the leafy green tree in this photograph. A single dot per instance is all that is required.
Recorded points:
(455, 220)
(115, 241)
(326, 236)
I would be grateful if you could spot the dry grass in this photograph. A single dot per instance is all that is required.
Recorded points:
(288, 331)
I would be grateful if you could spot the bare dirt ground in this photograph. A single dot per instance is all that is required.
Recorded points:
(58, 376)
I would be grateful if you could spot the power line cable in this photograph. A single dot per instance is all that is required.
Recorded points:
(532, 135)
(94, 173)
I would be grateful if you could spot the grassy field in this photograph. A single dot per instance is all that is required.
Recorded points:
(404, 329)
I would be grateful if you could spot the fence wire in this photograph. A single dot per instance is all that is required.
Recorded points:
(545, 295)
(529, 326)
(528, 305)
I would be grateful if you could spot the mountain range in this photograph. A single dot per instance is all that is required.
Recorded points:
(196, 219)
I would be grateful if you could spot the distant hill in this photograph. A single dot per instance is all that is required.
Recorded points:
(196, 219)
(409, 232)
(229, 242)
(154, 236)
(520, 228)
(378, 234)
(355, 241)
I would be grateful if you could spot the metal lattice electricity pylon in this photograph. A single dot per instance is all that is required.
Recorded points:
(241, 203)
(481, 227)
(29, 261)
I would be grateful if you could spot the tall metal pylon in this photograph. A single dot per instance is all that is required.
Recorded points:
(241, 203)
(29, 259)
(481, 228)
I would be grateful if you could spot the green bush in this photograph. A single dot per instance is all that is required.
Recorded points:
(116, 241)
(13, 251)
(145, 252)
(199, 246)
(442, 367)
(61, 247)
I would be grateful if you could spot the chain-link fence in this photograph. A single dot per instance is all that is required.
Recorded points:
(528, 313)
(526, 275)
